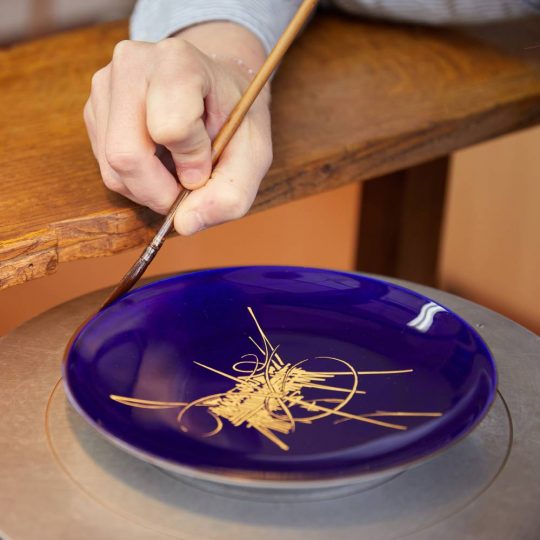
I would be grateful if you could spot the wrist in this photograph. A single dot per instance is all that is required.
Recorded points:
(226, 40)
(232, 46)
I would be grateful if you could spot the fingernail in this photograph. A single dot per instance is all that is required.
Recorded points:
(193, 222)
(191, 176)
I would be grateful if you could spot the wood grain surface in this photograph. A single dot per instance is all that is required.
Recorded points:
(353, 100)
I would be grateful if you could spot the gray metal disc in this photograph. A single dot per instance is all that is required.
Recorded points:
(60, 479)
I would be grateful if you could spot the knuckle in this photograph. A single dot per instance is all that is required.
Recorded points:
(111, 181)
(164, 133)
(87, 116)
(122, 162)
(156, 203)
(234, 203)
(98, 79)
(267, 158)
(169, 133)
(123, 49)
(173, 45)
(183, 57)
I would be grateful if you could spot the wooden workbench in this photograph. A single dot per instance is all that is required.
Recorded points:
(352, 101)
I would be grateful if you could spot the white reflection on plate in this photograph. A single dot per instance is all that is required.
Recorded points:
(423, 322)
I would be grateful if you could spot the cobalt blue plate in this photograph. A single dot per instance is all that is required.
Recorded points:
(279, 374)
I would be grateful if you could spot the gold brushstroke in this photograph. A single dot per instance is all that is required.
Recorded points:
(145, 404)
(385, 413)
(267, 389)
(365, 372)
(348, 416)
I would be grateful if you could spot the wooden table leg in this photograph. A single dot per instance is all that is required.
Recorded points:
(400, 222)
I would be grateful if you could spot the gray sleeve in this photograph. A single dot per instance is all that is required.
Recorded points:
(153, 20)
(441, 12)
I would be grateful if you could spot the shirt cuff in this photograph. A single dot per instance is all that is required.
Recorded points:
(154, 20)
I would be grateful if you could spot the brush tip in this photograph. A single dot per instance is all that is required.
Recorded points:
(127, 283)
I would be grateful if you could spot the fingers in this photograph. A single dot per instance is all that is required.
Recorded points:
(96, 115)
(171, 95)
(129, 150)
(90, 122)
(175, 109)
(232, 188)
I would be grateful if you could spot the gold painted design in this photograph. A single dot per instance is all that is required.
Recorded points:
(267, 389)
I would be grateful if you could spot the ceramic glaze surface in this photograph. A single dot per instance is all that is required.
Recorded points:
(280, 372)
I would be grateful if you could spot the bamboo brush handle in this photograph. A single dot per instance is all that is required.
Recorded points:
(257, 84)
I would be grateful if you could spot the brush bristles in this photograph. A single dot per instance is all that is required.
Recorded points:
(134, 274)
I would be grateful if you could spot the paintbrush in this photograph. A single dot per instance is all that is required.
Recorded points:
(219, 144)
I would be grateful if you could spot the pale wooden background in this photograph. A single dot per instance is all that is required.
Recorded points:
(491, 247)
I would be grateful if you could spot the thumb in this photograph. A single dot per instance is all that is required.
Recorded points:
(233, 186)
(218, 201)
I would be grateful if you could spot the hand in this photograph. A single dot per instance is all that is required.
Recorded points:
(172, 94)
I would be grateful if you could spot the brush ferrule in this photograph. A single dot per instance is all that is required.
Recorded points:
(149, 253)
